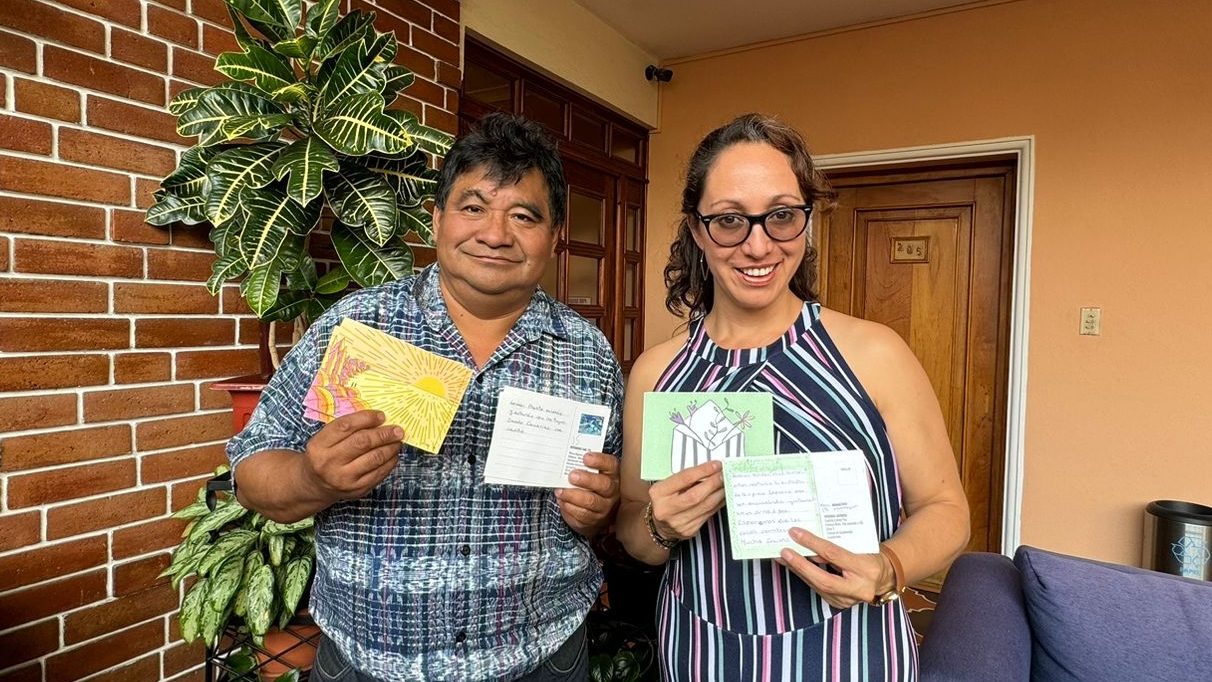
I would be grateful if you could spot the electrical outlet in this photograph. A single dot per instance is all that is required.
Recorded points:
(1091, 322)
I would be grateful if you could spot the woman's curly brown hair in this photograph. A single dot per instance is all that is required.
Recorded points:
(687, 278)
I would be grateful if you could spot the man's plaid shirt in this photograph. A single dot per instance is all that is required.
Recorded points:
(435, 575)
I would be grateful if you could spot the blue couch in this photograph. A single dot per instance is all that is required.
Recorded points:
(1047, 617)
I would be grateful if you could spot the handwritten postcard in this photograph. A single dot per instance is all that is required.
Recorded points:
(538, 439)
(367, 369)
(825, 493)
(682, 430)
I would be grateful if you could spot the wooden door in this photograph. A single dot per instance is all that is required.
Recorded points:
(928, 252)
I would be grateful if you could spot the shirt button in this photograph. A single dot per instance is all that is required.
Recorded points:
(460, 637)
(465, 550)
(471, 459)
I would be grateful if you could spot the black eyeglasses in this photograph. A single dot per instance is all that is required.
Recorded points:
(782, 224)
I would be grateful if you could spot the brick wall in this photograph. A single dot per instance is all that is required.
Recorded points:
(108, 340)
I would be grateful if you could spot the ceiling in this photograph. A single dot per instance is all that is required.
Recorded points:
(668, 29)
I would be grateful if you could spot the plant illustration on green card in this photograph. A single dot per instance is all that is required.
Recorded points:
(302, 130)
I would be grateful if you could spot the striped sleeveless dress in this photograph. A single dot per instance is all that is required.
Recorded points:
(733, 621)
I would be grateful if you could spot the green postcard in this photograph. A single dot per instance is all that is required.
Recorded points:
(682, 430)
(825, 493)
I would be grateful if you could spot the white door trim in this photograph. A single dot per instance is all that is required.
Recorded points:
(1016, 412)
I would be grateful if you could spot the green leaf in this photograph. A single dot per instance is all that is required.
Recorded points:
(350, 29)
(410, 178)
(431, 140)
(321, 18)
(275, 528)
(417, 219)
(274, 545)
(280, 13)
(224, 269)
(237, 171)
(363, 199)
(224, 582)
(298, 573)
(185, 100)
(252, 562)
(298, 48)
(302, 278)
(358, 69)
(234, 543)
(334, 281)
(195, 509)
(191, 611)
(220, 103)
(268, 71)
(210, 624)
(226, 512)
(189, 179)
(288, 306)
(260, 600)
(291, 675)
(369, 264)
(398, 78)
(255, 127)
(261, 288)
(305, 161)
(357, 126)
(292, 94)
(170, 208)
(270, 221)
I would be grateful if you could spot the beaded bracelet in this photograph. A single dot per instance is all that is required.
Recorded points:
(654, 533)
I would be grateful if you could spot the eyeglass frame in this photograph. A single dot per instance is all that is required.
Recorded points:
(755, 219)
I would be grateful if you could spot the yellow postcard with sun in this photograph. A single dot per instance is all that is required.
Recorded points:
(367, 369)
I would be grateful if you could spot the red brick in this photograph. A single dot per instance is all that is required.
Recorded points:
(132, 48)
(249, 332)
(428, 92)
(25, 135)
(28, 643)
(210, 398)
(195, 67)
(98, 74)
(160, 534)
(18, 52)
(146, 668)
(130, 227)
(104, 653)
(213, 11)
(68, 258)
(184, 493)
(232, 302)
(57, 180)
(28, 673)
(138, 368)
(30, 216)
(440, 119)
(412, 12)
(180, 332)
(175, 264)
(145, 191)
(40, 19)
(36, 372)
(192, 236)
(450, 75)
(46, 100)
(178, 431)
(105, 513)
(71, 483)
(4, 247)
(47, 599)
(415, 107)
(152, 123)
(216, 363)
(182, 656)
(116, 614)
(40, 564)
(52, 296)
(137, 575)
(446, 28)
(423, 65)
(144, 298)
(216, 40)
(19, 530)
(198, 675)
(122, 11)
(439, 48)
(174, 26)
(38, 412)
(25, 334)
(114, 152)
(183, 463)
(65, 447)
(449, 8)
(133, 403)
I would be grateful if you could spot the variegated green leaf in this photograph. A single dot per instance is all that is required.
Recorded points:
(234, 543)
(351, 28)
(257, 127)
(210, 624)
(302, 278)
(275, 528)
(189, 178)
(398, 78)
(305, 161)
(357, 126)
(259, 609)
(281, 13)
(192, 511)
(237, 171)
(417, 219)
(185, 100)
(298, 573)
(226, 512)
(363, 199)
(226, 237)
(431, 140)
(334, 281)
(288, 306)
(170, 208)
(216, 105)
(358, 70)
(191, 611)
(260, 289)
(224, 583)
(410, 178)
(274, 545)
(273, 228)
(321, 18)
(266, 70)
(225, 269)
(297, 48)
(292, 94)
(369, 264)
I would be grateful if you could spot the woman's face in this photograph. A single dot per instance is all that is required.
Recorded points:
(750, 178)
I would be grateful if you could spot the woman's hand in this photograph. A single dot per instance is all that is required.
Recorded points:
(682, 503)
(861, 575)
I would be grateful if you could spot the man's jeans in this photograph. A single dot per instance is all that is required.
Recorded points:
(570, 663)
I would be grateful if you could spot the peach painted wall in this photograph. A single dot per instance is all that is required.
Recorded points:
(1118, 95)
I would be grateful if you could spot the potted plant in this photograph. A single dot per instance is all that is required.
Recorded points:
(619, 651)
(300, 141)
(249, 574)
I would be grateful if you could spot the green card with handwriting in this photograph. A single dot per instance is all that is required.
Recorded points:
(682, 430)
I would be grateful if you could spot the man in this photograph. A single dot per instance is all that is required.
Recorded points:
(423, 571)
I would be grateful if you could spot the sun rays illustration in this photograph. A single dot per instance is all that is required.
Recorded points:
(418, 390)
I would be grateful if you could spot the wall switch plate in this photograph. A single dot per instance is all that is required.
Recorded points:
(1091, 322)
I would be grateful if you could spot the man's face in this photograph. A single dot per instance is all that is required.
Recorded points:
(494, 241)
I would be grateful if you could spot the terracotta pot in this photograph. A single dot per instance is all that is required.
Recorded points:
(294, 647)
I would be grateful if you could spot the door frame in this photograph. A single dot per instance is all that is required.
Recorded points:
(1023, 148)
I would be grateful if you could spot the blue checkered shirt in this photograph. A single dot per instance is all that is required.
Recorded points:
(435, 575)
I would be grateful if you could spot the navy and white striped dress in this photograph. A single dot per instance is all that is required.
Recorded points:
(730, 621)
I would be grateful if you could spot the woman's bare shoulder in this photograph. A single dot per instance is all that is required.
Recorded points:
(870, 348)
(648, 367)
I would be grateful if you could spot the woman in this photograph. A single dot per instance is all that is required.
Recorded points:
(743, 266)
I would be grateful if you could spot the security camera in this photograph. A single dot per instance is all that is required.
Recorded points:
(654, 72)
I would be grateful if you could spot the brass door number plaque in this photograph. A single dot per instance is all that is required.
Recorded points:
(911, 249)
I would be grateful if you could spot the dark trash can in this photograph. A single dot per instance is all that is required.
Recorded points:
(1178, 539)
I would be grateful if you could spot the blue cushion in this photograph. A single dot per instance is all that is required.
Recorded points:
(1095, 622)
